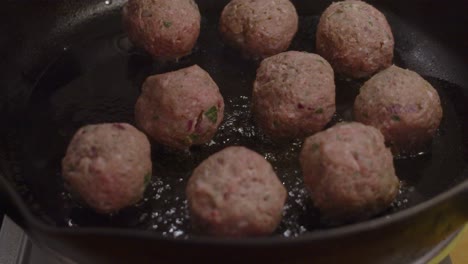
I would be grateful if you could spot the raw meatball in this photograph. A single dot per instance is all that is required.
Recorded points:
(294, 94)
(108, 166)
(404, 106)
(181, 108)
(259, 28)
(165, 29)
(349, 172)
(355, 38)
(235, 193)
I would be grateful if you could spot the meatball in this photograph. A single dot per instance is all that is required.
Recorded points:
(259, 28)
(108, 166)
(181, 108)
(355, 38)
(235, 193)
(349, 172)
(294, 94)
(404, 106)
(166, 29)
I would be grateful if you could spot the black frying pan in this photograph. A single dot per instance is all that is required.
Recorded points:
(67, 63)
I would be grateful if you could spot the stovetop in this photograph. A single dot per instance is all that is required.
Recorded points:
(17, 248)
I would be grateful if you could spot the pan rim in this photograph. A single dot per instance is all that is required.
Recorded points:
(32, 222)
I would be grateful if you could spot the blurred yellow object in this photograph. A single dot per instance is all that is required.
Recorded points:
(457, 249)
(459, 254)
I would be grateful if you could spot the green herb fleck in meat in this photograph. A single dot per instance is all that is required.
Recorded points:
(319, 111)
(194, 137)
(365, 115)
(396, 118)
(155, 117)
(346, 5)
(315, 147)
(320, 61)
(275, 124)
(371, 24)
(338, 11)
(188, 140)
(167, 24)
(147, 178)
(71, 168)
(212, 114)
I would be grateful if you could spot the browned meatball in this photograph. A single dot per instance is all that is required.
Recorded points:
(355, 38)
(349, 172)
(165, 29)
(404, 106)
(294, 94)
(181, 108)
(108, 166)
(259, 28)
(235, 193)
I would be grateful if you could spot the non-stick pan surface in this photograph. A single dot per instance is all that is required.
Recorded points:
(83, 70)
